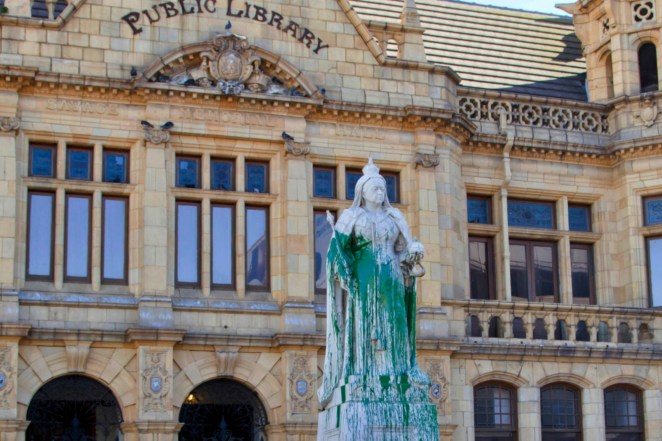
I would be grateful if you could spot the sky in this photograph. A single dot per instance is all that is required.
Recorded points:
(531, 5)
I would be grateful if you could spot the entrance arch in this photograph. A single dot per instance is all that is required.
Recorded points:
(222, 410)
(74, 408)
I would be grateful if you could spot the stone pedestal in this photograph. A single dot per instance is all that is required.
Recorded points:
(389, 409)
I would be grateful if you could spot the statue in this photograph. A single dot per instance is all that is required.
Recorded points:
(372, 266)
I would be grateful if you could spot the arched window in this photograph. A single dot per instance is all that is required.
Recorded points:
(222, 410)
(495, 412)
(561, 413)
(73, 408)
(648, 68)
(609, 75)
(624, 416)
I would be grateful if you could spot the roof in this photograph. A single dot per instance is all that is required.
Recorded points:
(496, 48)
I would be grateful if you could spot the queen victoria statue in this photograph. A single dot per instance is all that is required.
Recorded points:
(372, 388)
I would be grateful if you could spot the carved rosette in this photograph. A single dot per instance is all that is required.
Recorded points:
(157, 135)
(9, 123)
(302, 383)
(427, 160)
(6, 377)
(156, 381)
(438, 385)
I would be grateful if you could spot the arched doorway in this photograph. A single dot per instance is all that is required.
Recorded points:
(222, 410)
(74, 408)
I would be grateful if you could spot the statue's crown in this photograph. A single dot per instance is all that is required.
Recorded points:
(370, 169)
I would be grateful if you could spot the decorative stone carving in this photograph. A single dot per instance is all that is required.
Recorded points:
(156, 381)
(6, 377)
(438, 385)
(9, 123)
(226, 360)
(77, 354)
(302, 386)
(157, 135)
(648, 112)
(427, 160)
(297, 148)
(643, 11)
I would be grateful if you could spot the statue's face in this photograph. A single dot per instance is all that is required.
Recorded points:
(374, 191)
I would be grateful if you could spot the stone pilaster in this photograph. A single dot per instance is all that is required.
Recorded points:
(8, 230)
(593, 411)
(9, 342)
(528, 402)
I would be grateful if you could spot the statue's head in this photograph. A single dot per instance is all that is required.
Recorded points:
(370, 187)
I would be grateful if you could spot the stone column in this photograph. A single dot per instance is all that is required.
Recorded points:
(155, 417)
(11, 428)
(528, 409)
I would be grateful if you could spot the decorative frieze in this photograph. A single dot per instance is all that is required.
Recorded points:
(534, 115)
(643, 11)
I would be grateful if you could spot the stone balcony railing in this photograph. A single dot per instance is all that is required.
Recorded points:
(556, 322)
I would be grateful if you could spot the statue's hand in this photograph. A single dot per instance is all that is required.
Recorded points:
(415, 252)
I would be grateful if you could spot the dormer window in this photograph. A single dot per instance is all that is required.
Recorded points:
(648, 68)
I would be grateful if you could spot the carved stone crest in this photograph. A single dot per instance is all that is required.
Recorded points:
(157, 135)
(438, 385)
(427, 160)
(297, 148)
(648, 112)
(156, 381)
(9, 123)
(302, 386)
(6, 376)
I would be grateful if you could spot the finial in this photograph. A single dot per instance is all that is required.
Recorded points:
(370, 169)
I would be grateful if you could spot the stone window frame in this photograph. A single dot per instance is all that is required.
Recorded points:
(50, 275)
(90, 165)
(334, 179)
(60, 186)
(647, 54)
(127, 164)
(44, 145)
(501, 432)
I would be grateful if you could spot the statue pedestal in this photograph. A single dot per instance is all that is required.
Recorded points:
(390, 409)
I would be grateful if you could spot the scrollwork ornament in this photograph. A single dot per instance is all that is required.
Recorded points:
(302, 384)
(9, 123)
(297, 148)
(6, 377)
(427, 160)
(157, 135)
(156, 382)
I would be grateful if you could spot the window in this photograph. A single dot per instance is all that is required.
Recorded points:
(77, 241)
(531, 214)
(114, 254)
(324, 182)
(42, 160)
(115, 166)
(40, 235)
(257, 247)
(653, 210)
(481, 268)
(624, 416)
(648, 68)
(392, 184)
(579, 217)
(495, 412)
(188, 172)
(222, 174)
(561, 413)
(39, 9)
(257, 177)
(188, 244)
(222, 246)
(533, 271)
(323, 233)
(479, 209)
(654, 248)
(79, 163)
(583, 284)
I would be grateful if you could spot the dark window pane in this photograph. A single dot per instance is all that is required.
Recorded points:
(187, 172)
(648, 68)
(351, 178)
(42, 161)
(392, 186)
(582, 333)
(257, 256)
(579, 218)
(495, 412)
(60, 6)
(115, 166)
(519, 279)
(530, 214)
(480, 272)
(257, 177)
(624, 418)
(518, 328)
(40, 235)
(222, 175)
(653, 211)
(187, 242)
(324, 182)
(543, 270)
(39, 9)
(560, 410)
(323, 234)
(77, 237)
(222, 246)
(478, 210)
(581, 260)
(654, 272)
(114, 239)
(79, 164)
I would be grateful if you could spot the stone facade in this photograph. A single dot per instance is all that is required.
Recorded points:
(324, 93)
